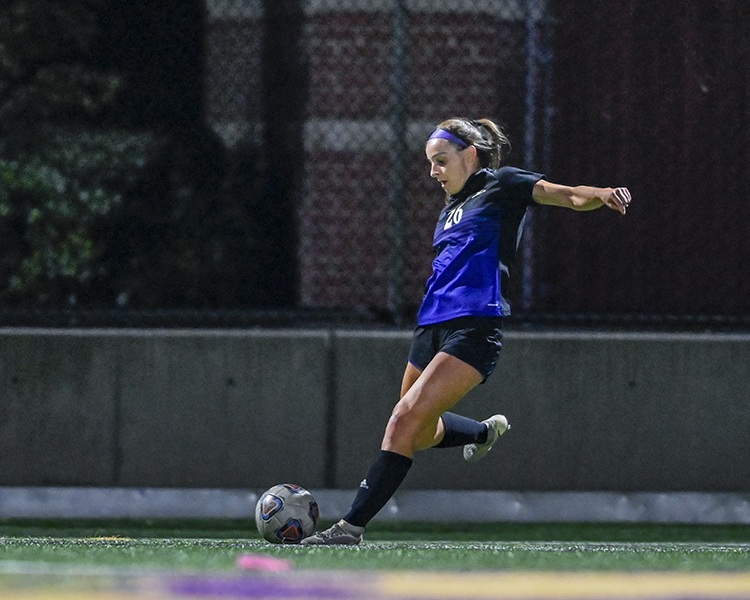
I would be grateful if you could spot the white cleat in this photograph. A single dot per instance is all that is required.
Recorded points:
(339, 534)
(497, 425)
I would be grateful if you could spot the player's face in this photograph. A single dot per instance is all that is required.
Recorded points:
(450, 165)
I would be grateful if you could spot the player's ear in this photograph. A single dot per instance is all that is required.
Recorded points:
(471, 152)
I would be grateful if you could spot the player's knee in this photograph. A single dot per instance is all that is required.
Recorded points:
(407, 423)
(402, 421)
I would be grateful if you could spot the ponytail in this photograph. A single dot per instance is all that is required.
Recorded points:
(485, 135)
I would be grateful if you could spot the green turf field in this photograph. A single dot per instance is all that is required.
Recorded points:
(93, 560)
(215, 545)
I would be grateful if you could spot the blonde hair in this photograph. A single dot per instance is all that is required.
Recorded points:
(485, 135)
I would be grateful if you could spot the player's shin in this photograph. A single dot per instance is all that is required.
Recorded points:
(383, 479)
(460, 431)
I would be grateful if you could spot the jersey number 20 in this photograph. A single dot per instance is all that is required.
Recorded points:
(454, 217)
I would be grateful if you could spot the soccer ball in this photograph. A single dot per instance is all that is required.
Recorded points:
(286, 514)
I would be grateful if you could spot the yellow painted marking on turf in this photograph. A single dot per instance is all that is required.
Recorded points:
(518, 585)
(531, 584)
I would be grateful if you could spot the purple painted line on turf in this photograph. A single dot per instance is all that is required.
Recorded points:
(251, 587)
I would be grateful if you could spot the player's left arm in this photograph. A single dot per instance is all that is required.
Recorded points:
(581, 197)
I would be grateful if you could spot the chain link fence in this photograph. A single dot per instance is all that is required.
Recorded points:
(320, 203)
(376, 77)
(654, 96)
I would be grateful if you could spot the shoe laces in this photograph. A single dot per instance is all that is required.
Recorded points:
(334, 531)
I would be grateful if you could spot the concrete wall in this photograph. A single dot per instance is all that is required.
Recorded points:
(247, 409)
(152, 408)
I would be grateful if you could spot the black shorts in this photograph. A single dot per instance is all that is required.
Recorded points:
(474, 340)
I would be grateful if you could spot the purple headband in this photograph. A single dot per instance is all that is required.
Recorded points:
(447, 135)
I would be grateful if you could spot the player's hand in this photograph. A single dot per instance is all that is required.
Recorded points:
(618, 199)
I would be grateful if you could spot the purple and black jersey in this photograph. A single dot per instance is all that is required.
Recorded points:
(476, 239)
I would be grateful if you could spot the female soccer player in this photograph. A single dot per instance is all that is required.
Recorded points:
(458, 336)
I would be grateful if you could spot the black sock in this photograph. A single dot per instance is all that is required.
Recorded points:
(460, 431)
(382, 481)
